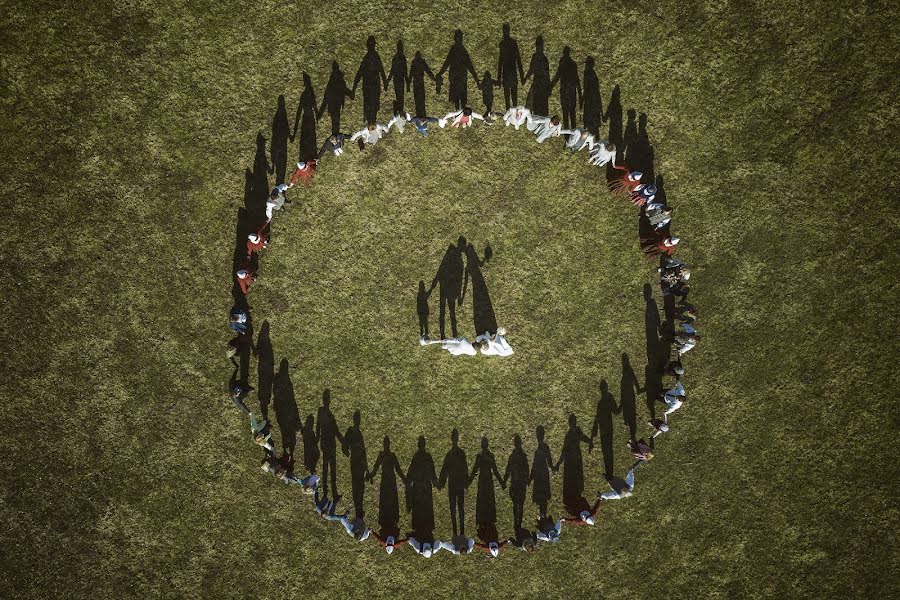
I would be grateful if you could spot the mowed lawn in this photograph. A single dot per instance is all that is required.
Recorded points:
(127, 129)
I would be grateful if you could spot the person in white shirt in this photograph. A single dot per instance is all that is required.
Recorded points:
(399, 121)
(660, 426)
(455, 346)
(674, 398)
(276, 200)
(578, 139)
(262, 433)
(547, 530)
(658, 214)
(355, 528)
(545, 128)
(463, 117)
(426, 549)
(461, 545)
(370, 135)
(602, 153)
(626, 491)
(684, 342)
(516, 116)
(496, 345)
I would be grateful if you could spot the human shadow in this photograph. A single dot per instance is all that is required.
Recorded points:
(278, 143)
(539, 72)
(657, 351)
(509, 68)
(516, 479)
(265, 369)
(614, 117)
(593, 103)
(628, 390)
(455, 475)
(399, 74)
(418, 69)
(629, 137)
(569, 87)
(328, 434)
(482, 308)
(573, 463)
(374, 80)
(541, 466)
(388, 500)
(256, 185)
(334, 97)
(449, 280)
(421, 478)
(603, 426)
(484, 467)
(306, 119)
(354, 447)
(639, 152)
(459, 64)
(285, 405)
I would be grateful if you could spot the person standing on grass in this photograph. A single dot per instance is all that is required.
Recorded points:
(327, 432)
(262, 433)
(238, 390)
(399, 73)
(336, 93)
(418, 69)
(388, 499)
(582, 512)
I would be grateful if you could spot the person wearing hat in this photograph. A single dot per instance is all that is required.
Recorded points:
(517, 116)
(334, 143)
(578, 139)
(495, 345)
(262, 433)
(421, 124)
(304, 172)
(658, 214)
(625, 182)
(624, 491)
(389, 539)
(545, 128)
(463, 117)
(490, 540)
(455, 346)
(258, 240)
(643, 194)
(548, 530)
(244, 279)
(583, 511)
(602, 153)
(369, 135)
(276, 199)
(426, 549)
(238, 391)
(460, 545)
(660, 426)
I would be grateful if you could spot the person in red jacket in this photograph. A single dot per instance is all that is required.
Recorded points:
(304, 172)
(257, 241)
(490, 539)
(244, 279)
(389, 538)
(585, 512)
(626, 182)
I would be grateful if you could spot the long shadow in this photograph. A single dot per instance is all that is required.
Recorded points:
(614, 116)
(334, 97)
(509, 68)
(421, 478)
(265, 369)
(573, 463)
(484, 467)
(371, 74)
(256, 189)
(541, 466)
(593, 103)
(639, 151)
(399, 74)
(569, 87)
(285, 405)
(418, 69)
(354, 446)
(657, 352)
(539, 71)
(455, 475)
(630, 135)
(388, 500)
(603, 426)
(306, 119)
(516, 478)
(328, 434)
(459, 64)
(482, 307)
(628, 389)
(311, 453)
(449, 279)
(278, 143)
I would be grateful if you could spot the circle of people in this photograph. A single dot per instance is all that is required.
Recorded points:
(421, 476)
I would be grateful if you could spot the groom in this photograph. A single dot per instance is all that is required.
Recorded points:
(450, 277)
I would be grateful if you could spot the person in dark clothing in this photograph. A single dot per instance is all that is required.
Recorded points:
(371, 73)
(399, 73)
(603, 425)
(460, 65)
(417, 72)
(573, 464)
(455, 474)
(569, 87)
(336, 92)
(421, 477)
(487, 85)
(354, 446)
(334, 143)
(539, 478)
(388, 502)
(450, 278)
(326, 433)
(422, 309)
(539, 68)
(516, 479)
(485, 468)
(509, 68)
(278, 143)
(593, 103)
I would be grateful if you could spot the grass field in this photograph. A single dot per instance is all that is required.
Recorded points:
(126, 130)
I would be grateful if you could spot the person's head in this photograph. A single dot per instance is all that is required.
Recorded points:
(517, 441)
(635, 175)
(501, 331)
(589, 63)
(333, 139)
(389, 544)
(604, 386)
(467, 110)
(334, 66)
(678, 368)
(307, 81)
(242, 274)
(461, 243)
(301, 165)
(418, 55)
(648, 454)
(664, 427)
(253, 238)
(625, 362)
(554, 120)
(356, 418)
(421, 285)
(586, 517)
(567, 52)
(610, 146)
(457, 36)
(387, 443)
(361, 533)
(370, 43)
(585, 133)
(484, 443)
(421, 443)
(399, 46)
(476, 345)
(573, 420)
(371, 126)
(326, 398)
(670, 242)
(506, 30)
(539, 44)
(539, 434)
(649, 191)
(486, 76)
(494, 547)
(454, 436)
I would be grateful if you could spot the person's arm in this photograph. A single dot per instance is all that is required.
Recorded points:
(399, 471)
(530, 71)
(578, 89)
(476, 115)
(427, 70)
(562, 456)
(474, 472)
(496, 472)
(374, 470)
(359, 76)
(519, 63)
(506, 473)
(555, 80)
(453, 114)
(446, 63)
(296, 121)
(442, 478)
(391, 76)
(383, 76)
(319, 425)
(357, 135)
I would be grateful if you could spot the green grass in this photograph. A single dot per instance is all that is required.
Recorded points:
(126, 131)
